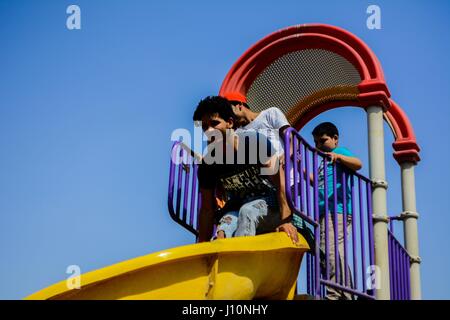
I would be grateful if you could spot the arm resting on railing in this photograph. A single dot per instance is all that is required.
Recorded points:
(353, 163)
(285, 212)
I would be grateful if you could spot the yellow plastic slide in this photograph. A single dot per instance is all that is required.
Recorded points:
(260, 267)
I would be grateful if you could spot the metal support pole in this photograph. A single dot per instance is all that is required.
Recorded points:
(380, 221)
(410, 217)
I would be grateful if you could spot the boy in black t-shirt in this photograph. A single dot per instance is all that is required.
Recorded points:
(255, 199)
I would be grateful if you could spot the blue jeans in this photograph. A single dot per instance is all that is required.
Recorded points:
(228, 224)
(254, 217)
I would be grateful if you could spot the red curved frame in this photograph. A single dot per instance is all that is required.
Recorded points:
(372, 89)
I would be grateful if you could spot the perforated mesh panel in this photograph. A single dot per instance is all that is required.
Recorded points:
(299, 80)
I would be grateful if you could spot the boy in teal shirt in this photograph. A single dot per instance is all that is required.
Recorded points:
(326, 139)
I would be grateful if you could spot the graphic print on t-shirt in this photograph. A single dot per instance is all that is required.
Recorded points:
(246, 183)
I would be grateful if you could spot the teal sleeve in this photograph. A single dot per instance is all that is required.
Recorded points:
(343, 151)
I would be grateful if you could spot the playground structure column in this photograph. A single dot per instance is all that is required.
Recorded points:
(410, 217)
(379, 195)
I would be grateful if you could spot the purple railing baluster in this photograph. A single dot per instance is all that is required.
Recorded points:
(295, 172)
(186, 168)
(394, 271)
(355, 263)
(326, 218)
(317, 228)
(344, 225)
(335, 228)
(404, 286)
(408, 293)
(287, 171)
(400, 273)
(308, 184)
(193, 193)
(397, 273)
(393, 279)
(406, 269)
(303, 179)
(400, 253)
(396, 286)
(308, 274)
(362, 227)
(172, 179)
(180, 175)
(391, 284)
(313, 268)
(408, 278)
(311, 274)
(395, 267)
(313, 277)
(370, 223)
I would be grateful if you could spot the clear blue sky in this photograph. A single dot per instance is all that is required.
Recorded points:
(86, 118)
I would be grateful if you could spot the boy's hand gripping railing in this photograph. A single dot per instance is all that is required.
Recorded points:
(306, 187)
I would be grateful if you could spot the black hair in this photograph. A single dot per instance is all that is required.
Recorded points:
(326, 128)
(236, 102)
(212, 105)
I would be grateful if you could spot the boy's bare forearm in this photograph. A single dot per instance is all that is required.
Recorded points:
(285, 212)
(352, 163)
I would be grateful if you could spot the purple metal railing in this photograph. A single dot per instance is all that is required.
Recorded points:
(184, 196)
(184, 202)
(354, 245)
(399, 264)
